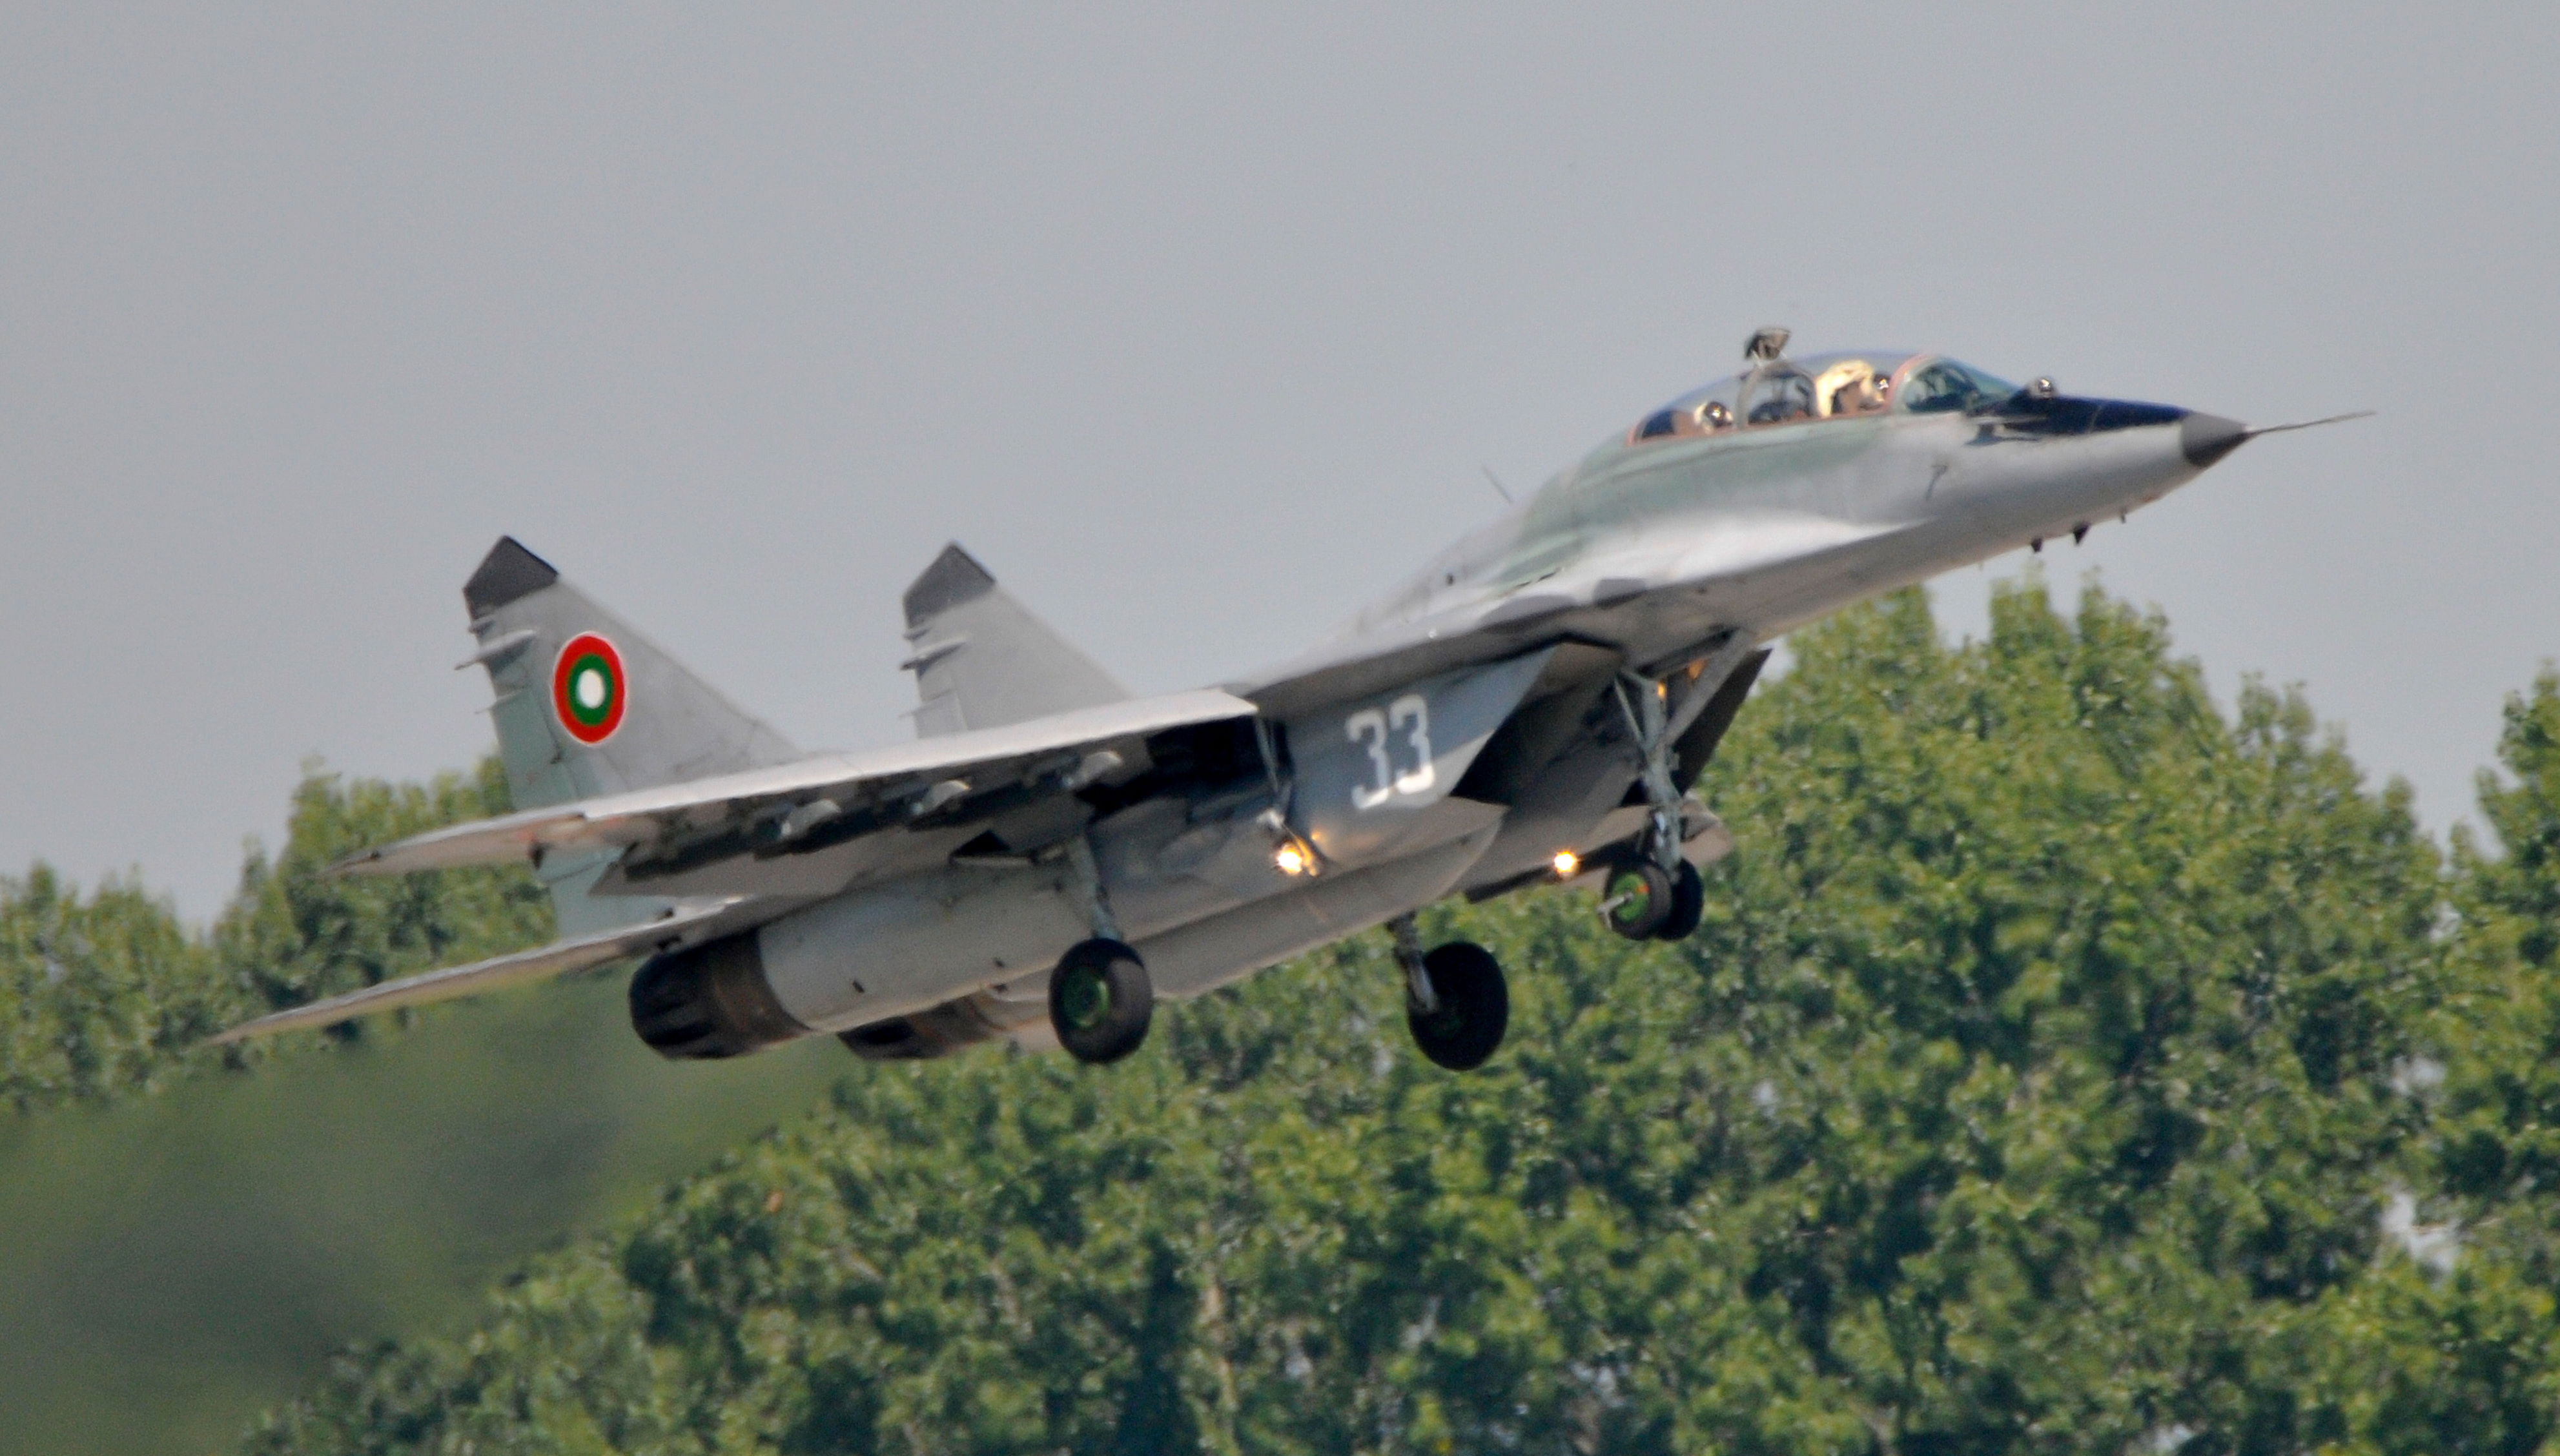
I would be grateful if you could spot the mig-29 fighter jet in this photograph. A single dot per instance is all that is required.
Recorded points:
(1052, 855)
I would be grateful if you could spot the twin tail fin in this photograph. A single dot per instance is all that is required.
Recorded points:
(982, 660)
(586, 705)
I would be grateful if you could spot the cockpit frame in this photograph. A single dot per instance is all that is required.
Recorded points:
(1847, 385)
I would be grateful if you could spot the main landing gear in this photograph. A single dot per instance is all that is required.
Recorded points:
(1100, 1001)
(1456, 1003)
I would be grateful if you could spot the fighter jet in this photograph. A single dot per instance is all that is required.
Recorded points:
(1051, 856)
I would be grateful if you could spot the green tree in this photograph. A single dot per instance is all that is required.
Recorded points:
(2468, 1357)
(293, 933)
(96, 992)
(110, 993)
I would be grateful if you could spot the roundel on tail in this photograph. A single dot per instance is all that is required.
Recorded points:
(588, 688)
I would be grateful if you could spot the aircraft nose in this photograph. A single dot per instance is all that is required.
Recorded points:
(2205, 438)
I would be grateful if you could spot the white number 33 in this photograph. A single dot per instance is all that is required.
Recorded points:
(1408, 718)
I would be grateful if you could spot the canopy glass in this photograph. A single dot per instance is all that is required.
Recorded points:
(1825, 386)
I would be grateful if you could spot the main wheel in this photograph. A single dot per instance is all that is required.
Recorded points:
(1689, 904)
(1100, 1001)
(1473, 1007)
(1636, 899)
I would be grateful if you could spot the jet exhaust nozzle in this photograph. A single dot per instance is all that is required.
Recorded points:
(710, 1001)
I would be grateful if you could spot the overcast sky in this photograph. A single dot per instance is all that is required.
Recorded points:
(1196, 327)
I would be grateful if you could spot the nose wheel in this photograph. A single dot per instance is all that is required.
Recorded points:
(1689, 904)
(1635, 899)
(1645, 902)
(1456, 1001)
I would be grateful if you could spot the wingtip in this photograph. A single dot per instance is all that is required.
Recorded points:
(316, 1015)
(350, 865)
(250, 1029)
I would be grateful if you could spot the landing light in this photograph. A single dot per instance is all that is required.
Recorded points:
(1290, 859)
(1567, 864)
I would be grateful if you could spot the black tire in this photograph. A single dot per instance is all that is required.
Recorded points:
(1463, 1032)
(1639, 898)
(1689, 904)
(1100, 1001)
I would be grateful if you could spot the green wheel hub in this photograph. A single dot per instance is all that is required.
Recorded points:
(1635, 895)
(1085, 1000)
(1099, 1000)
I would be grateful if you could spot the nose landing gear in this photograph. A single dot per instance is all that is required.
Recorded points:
(1642, 900)
(1657, 895)
(1456, 1002)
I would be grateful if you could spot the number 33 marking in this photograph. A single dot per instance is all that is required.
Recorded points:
(1408, 716)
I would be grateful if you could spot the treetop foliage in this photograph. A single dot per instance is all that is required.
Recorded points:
(107, 994)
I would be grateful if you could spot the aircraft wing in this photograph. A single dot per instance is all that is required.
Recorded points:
(826, 799)
(680, 926)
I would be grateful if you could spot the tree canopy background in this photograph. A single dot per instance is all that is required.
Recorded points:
(2066, 1064)
(185, 1234)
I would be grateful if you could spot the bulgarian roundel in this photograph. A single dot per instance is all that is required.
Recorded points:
(588, 689)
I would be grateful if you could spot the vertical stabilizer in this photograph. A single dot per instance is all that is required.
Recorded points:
(586, 705)
(982, 660)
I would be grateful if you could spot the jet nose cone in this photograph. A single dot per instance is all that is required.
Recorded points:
(2205, 438)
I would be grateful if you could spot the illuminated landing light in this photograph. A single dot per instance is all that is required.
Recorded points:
(1567, 864)
(1292, 859)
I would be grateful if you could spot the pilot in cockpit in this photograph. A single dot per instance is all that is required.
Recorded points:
(1852, 387)
(1776, 390)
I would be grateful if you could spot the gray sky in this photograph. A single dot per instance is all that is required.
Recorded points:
(1195, 326)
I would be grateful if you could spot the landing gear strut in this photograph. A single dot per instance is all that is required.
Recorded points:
(1456, 1002)
(1100, 1001)
(1658, 896)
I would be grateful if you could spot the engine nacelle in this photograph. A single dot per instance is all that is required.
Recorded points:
(710, 1001)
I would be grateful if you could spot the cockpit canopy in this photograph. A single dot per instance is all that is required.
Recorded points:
(1780, 391)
